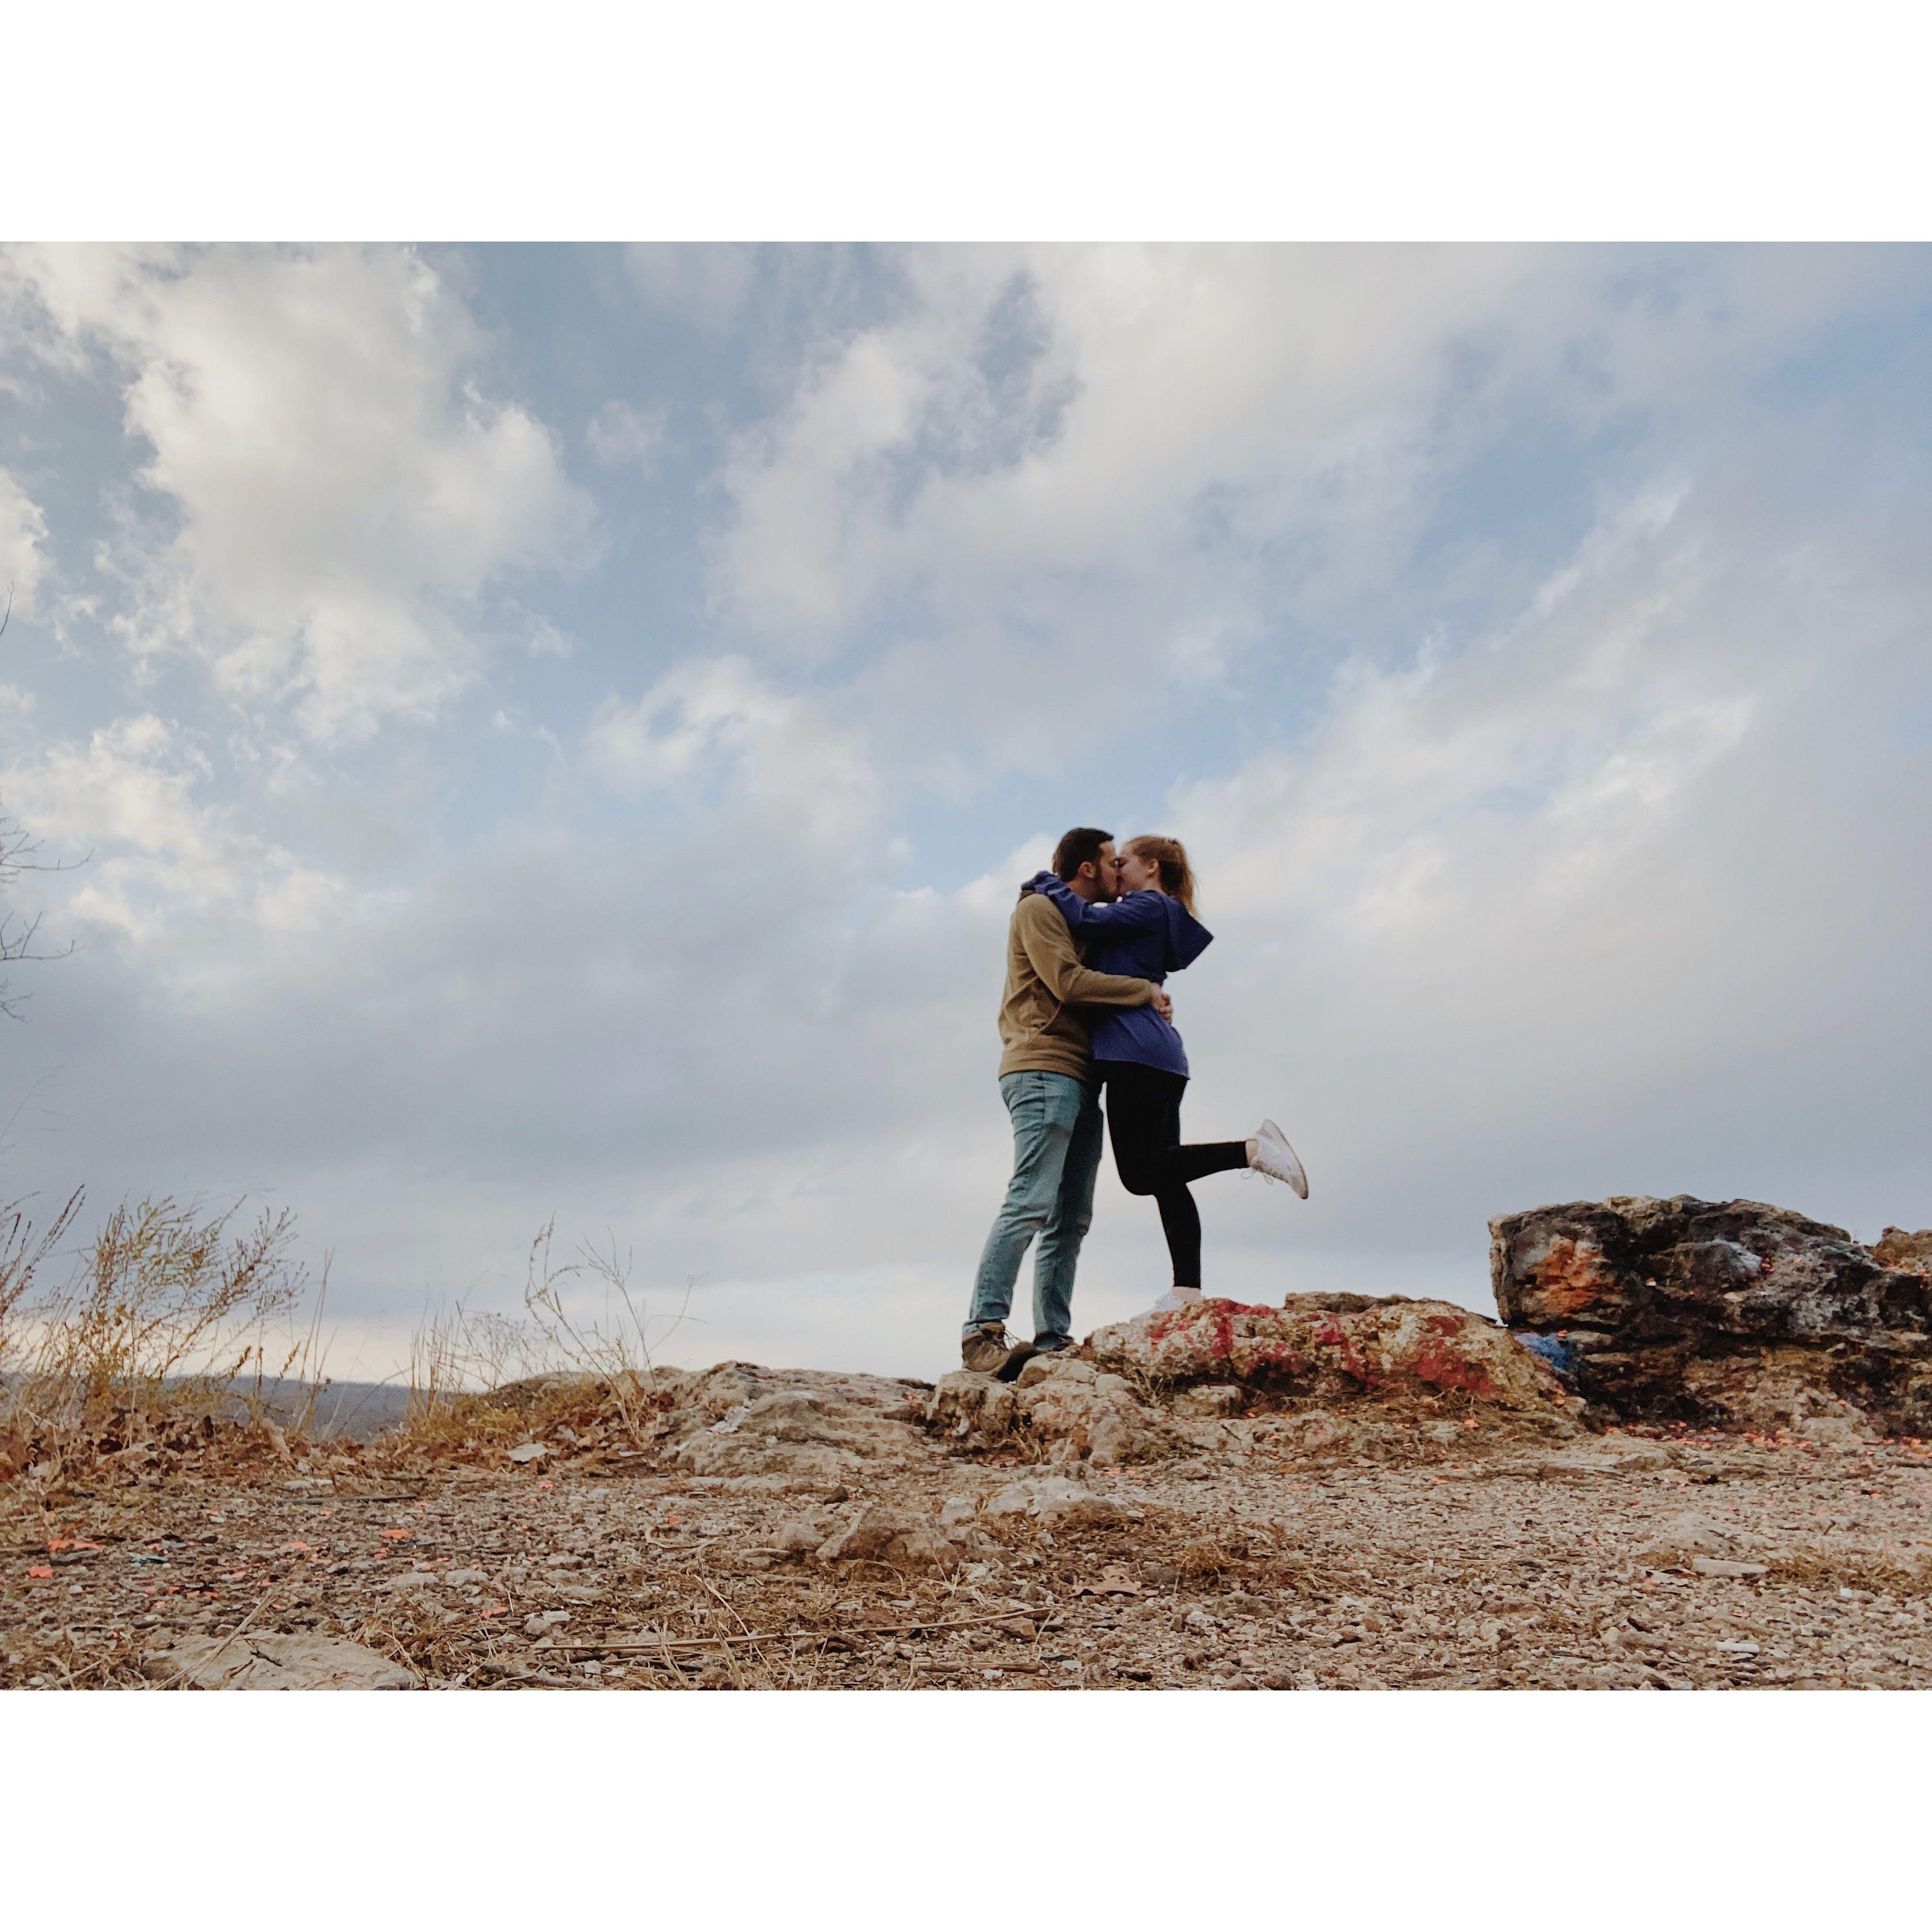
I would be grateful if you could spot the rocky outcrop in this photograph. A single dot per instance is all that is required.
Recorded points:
(1196, 1378)
(1333, 1348)
(1729, 1314)
(1062, 1406)
(810, 1435)
(781, 1426)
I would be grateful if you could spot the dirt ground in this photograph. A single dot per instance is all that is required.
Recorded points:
(1625, 1561)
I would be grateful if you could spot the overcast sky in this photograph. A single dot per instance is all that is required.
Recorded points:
(558, 729)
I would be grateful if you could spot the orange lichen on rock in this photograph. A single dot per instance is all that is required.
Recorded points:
(1572, 1278)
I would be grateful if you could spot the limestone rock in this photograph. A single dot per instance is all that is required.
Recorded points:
(1336, 1347)
(531, 1390)
(964, 1404)
(1732, 1313)
(1074, 1411)
(1210, 1399)
(1896, 1248)
(1769, 1390)
(1610, 1457)
(252, 1662)
(1684, 1537)
(1052, 1501)
(896, 1537)
(1095, 1418)
(800, 1536)
(805, 1432)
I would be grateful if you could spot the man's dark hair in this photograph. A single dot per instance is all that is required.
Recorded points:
(1078, 848)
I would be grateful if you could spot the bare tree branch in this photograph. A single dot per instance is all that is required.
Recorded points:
(18, 854)
(17, 934)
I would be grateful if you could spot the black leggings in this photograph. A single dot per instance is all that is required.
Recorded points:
(1144, 1118)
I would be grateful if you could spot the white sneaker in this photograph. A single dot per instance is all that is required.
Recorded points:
(1275, 1159)
(1174, 1298)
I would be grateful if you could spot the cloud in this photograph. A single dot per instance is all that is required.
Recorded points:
(713, 731)
(1155, 465)
(1031, 413)
(706, 285)
(164, 864)
(339, 488)
(621, 436)
(23, 537)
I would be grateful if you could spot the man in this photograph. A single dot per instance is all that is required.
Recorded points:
(1046, 1079)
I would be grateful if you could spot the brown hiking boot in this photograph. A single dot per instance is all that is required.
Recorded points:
(987, 1350)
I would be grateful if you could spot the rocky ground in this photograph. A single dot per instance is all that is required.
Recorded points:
(749, 1528)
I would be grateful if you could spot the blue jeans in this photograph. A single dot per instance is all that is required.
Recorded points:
(1056, 1155)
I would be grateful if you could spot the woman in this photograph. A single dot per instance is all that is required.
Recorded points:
(1150, 931)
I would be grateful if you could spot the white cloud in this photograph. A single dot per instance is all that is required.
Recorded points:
(23, 538)
(782, 759)
(163, 861)
(621, 436)
(1147, 464)
(547, 640)
(1039, 412)
(341, 487)
(1546, 754)
(706, 285)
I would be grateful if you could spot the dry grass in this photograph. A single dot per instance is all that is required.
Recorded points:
(166, 1304)
(1830, 1571)
(22, 1253)
(169, 1317)
(70, 1663)
(1200, 1562)
(483, 1381)
(171, 1326)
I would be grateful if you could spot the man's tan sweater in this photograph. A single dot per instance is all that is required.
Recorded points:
(1044, 981)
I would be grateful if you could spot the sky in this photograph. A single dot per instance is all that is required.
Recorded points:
(553, 732)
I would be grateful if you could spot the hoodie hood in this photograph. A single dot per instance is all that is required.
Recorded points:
(1187, 938)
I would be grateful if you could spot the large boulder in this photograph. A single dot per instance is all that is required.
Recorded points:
(1062, 1405)
(736, 1420)
(806, 1434)
(1335, 1348)
(1727, 1313)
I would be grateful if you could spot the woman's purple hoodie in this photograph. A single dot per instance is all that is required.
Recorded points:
(1147, 935)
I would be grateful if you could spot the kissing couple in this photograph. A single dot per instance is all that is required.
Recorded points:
(1088, 952)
